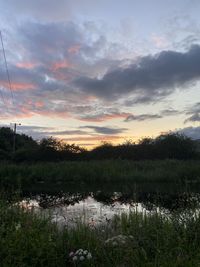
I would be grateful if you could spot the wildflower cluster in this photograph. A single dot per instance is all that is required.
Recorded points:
(119, 240)
(80, 255)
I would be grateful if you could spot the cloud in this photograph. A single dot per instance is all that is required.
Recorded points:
(46, 9)
(38, 132)
(105, 130)
(142, 117)
(66, 132)
(99, 117)
(49, 64)
(194, 118)
(170, 112)
(194, 113)
(151, 76)
(192, 132)
(42, 61)
(160, 115)
(76, 135)
(159, 41)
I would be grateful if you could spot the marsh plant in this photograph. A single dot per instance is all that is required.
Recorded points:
(27, 239)
(51, 177)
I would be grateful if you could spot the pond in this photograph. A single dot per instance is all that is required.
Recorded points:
(94, 208)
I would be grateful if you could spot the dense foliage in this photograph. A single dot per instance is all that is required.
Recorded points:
(169, 146)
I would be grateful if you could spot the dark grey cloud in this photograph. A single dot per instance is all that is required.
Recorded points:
(193, 113)
(170, 112)
(105, 130)
(25, 128)
(142, 99)
(66, 132)
(192, 132)
(161, 114)
(103, 116)
(194, 118)
(194, 108)
(142, 117)
(38, 132)
(152, 76)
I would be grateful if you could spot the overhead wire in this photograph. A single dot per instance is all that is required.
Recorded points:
(6, 66)
(1, 93)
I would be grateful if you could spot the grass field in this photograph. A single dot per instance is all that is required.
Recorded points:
(26, 176)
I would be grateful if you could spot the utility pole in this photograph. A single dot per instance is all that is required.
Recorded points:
(14, 135)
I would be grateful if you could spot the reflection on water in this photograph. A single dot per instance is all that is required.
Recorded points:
(89, 211)
(92, 212)
(99, 207)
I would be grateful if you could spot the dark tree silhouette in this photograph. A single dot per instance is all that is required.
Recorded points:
(168, 146)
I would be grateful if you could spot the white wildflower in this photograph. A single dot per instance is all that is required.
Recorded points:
(71, 254)
(85, 252)
(89, 256)
(75, 258)
(82, 258)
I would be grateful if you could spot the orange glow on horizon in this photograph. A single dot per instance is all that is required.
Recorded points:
(97, 140)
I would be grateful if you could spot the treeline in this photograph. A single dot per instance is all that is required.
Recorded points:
(168, 146)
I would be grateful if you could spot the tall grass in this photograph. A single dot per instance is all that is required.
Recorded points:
(108, 171)
(129, 240)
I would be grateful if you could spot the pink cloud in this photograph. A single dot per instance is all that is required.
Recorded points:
(104, 117)
(19, 86)
(74, 49)
(39, 104)
(60, 65)
(26, 65)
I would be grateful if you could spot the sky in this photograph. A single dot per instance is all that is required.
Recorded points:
(88, 71)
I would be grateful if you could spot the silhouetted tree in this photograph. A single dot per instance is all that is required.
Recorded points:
(174, 146)
(168, 146)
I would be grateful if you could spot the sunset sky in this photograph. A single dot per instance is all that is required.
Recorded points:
(88, 71)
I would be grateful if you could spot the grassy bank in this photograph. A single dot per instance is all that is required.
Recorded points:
(98, 172)
(154, 240)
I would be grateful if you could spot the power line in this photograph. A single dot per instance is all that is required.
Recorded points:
(1, 94)
(3, 99)
(6, 65)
